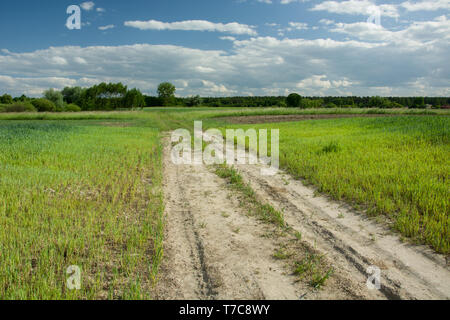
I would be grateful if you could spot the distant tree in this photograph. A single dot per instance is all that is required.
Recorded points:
(152, 101)
(56, 97)
(6, 99)
(22, 98)
(419, 102)
(134, 99)
(293, 100)
(72, 95)
(44, 105)
(166, 92)
(193, 101)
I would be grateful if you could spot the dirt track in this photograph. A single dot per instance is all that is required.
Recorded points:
(215, 250)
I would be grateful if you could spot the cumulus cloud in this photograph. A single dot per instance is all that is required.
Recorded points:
(426, 5)
(356, 7)
(421, 34)
(193, 25)
(374, 60)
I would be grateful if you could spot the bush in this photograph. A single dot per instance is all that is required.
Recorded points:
(43, 105)
(72, 108)
(331, 105)
(19, 107)
(293, 100)
(395, 105)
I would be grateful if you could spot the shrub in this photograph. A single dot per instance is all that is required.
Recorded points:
(19, 107)
(331, 105)
(293, 100)
(43, 105)
(72, 108)
(395, 105)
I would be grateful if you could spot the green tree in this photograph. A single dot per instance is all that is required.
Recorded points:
(419, 102)
(72, 95)
(6, 99)
(166, 92)
(56, 97)
(193, 101)
(134, 99)
(293, 100)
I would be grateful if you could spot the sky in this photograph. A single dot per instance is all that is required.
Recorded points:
(229, 47)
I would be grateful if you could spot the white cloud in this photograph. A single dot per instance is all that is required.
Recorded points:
(326, 21)
(88, 5)
(292, 1)
(298, 25)
(228, 38)
(356, 7)
(193, 25)
(374, 61)
(58, 61)
(109, 26)
(315, 82)
(422, 34)
(426, 5)
(100, 10)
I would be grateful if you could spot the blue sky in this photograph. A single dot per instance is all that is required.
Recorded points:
(229, 47)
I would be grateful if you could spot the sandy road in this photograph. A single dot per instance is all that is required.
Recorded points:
(215, 250)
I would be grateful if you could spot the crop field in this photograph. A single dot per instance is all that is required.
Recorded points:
(397, 167)
(77, 194)
(86, 189)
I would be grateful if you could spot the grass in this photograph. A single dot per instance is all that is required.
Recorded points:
(312, 267)
(392, 166)
(262, 210)
(79, 195)
(84, 188)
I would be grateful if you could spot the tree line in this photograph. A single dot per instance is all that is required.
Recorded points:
(117, 96)
(297, 101)
(104, 96)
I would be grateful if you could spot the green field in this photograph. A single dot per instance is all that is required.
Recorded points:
(74, 194)
(85, 188)
(398, 167)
